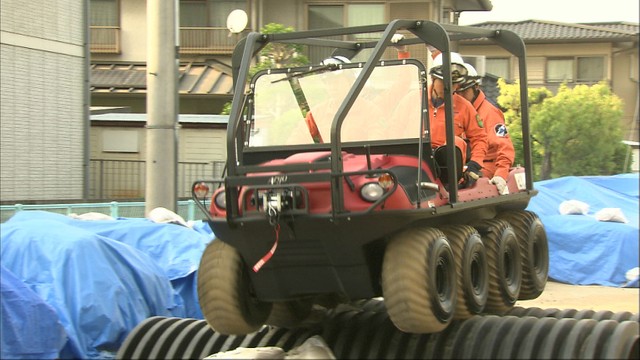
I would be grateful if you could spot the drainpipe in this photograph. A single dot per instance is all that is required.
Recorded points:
(86, 103)
(636, 112)
(254, 10)
(162, 105)
(635, 119)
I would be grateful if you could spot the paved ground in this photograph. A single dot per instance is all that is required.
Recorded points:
(582, 297)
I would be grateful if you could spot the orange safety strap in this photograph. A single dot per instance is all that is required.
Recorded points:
(269, 254)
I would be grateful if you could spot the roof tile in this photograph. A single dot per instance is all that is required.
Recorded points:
(539, 30)
(211, 78)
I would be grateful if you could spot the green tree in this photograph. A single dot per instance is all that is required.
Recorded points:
(575, 132)
(509, 101)
(275, 55)
(580, 131)
(278, 55)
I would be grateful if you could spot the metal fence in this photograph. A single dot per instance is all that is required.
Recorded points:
(125, 179)
(186, 208)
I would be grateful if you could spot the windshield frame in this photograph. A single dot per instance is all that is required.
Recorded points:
(389, 107)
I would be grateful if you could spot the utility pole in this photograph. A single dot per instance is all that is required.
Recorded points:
(162, 105)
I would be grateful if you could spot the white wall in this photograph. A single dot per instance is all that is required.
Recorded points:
(41, 104)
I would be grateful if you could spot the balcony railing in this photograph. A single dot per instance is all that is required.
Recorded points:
(105, 39)
(125, 179)
(208, 40)
(193, 40)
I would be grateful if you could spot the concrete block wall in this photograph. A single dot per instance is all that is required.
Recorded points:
(42, 105)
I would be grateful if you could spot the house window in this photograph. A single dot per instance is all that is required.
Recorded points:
(104, 13)
(365, 14)
(193, 13)
(120, 141)
(220, 10)
(590, 69)
(331, 16)
(579, 69)
(104, 23)
(205, 13)
(498, 67)
(560, 70)
(327, 16)
(203, 26)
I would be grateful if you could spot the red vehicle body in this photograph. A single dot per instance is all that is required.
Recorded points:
(367, 213)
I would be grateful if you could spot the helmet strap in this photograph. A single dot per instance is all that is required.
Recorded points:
(476, 92)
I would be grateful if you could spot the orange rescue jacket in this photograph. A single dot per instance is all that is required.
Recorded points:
(500, 152)
(467, 124)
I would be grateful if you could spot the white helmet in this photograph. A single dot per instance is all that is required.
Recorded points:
(335, 60)
(458, 71)
(455, 59)
(471, 71)
(471, 79)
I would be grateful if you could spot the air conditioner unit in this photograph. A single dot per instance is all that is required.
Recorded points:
(477, 61)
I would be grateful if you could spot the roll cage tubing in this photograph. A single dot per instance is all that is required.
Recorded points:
(428, 32)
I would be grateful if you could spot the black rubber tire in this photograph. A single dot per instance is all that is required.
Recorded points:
(494, 338)
(575, 340)
(419, 281)
(622, 316)
(505, 267)
(469, 345)
(471, 269)
(555, 339)
(599, 339)
(517, 336)
(623, 343)
(530, 348)
(139, 336)
(289, 314)
(534, 251)
(374, 305)
(224, 292)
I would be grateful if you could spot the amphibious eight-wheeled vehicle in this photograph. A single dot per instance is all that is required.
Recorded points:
(333, 192)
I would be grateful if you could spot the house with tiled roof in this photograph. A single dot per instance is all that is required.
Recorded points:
(118, 70)
(118, 41)
(571, 53)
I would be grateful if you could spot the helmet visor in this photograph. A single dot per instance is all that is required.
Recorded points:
(458, 73)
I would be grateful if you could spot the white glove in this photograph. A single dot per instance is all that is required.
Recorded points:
(396, 37)
(394, 40)
(501, 185)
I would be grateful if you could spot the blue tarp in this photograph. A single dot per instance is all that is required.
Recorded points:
(25, 317)
(583, 250)
(103, 277)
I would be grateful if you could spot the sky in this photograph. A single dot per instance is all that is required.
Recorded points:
(570, 11)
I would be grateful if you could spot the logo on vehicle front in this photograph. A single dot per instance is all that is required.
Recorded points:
(280, 179)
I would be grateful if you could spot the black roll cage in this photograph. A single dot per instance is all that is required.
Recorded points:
(427, 32)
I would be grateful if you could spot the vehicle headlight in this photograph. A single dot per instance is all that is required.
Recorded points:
(371, 191)
(201, 189)
(221, 200)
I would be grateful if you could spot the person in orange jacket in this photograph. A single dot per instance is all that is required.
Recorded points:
(500, 151)
(468, 124)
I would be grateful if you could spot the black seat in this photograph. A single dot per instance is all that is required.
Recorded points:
(440, 158)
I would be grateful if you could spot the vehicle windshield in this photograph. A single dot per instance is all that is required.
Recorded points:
(286, 108)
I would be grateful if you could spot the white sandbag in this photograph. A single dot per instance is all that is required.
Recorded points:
(163, 216)
(91, 216)
(632, 274)
(573, 207)
(313, 348)
(270, 352)
(611, 214)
